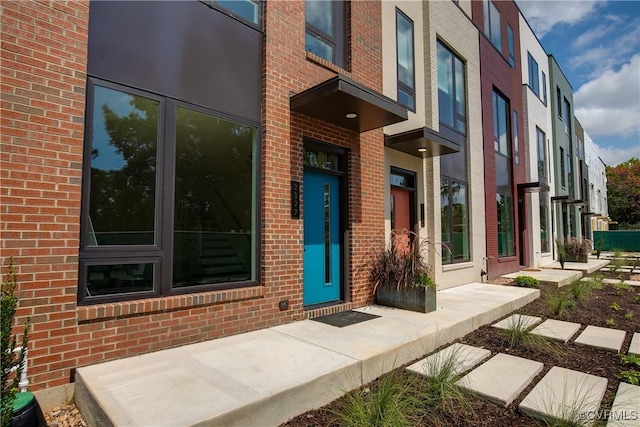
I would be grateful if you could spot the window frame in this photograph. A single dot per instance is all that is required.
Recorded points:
(544, 87)
(338, 39)
(161, 253)
(454, 89)
(402, 85)
(559, 102)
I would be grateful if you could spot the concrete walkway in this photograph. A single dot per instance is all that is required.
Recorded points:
(559, 277)
(588, 267)
(268, 376)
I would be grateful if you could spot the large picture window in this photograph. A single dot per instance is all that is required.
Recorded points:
(169, 199)
(455, 220)
(405, 59)
(325, 30)
(452, 105)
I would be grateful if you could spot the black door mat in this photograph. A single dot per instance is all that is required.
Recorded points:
(345, 318)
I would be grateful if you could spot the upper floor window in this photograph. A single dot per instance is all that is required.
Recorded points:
(544, 88)
(405, 60)
(563, 180)
(492, 25)
(452, 108)
(512, 50)
(542, 155)
(516, 142)
(567, 115)
(534, 78)
(325, 30)
(501, 124)
(559, 102)
(247, 10)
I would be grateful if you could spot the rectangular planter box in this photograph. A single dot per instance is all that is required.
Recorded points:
(577, 258)
(420, 299)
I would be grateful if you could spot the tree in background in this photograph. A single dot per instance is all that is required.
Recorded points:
(623, 193)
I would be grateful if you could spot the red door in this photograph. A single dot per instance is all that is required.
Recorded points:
(401, 216)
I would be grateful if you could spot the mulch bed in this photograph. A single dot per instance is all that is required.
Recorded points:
(592, 310)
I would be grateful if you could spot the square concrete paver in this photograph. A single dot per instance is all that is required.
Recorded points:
(502, 378)
(463, 357)
(606, 338)
(565, 394)
(556, 330)
(520, 321)
(625, 411)
(634, 347)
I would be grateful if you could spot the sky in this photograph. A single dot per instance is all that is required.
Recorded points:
(597, 44)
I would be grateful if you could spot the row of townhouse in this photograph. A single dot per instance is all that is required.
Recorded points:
(180, 171)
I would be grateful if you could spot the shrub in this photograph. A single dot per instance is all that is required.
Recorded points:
(628, 315)
(387, 403)
(636, 299)
(630, 360)
(576, 247)
(581, 289)
(527, 282)
(621, 286)
(614, 306)
(632, 377)
(559, 302)
(599, 245)
(610, 322)
(9, 360)
(517, 335)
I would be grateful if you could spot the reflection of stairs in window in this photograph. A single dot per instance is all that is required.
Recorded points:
(220, 260)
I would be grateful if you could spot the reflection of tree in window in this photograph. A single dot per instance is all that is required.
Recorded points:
(123, 168)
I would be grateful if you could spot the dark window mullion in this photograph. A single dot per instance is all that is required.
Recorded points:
(165, 275)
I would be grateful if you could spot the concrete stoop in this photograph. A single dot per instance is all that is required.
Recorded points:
(266, 377)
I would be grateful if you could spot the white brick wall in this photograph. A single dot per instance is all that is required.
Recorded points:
(536, 114)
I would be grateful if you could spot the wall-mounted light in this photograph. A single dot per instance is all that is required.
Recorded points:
(351, 115)
(422, 150)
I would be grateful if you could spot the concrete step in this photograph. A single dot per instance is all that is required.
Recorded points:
(557, 330)
(625, 411)
(603, 338)
(563, 394)
(559, 277)
(518, 321)
(457, 358)
(502, 378)
(268, 376)
(634, 347)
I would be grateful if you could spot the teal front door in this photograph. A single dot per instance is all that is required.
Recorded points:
(322, 251)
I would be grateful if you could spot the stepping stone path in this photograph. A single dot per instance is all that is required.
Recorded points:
(634, 347)
(605, 338)
(557, 330)
(502, 378)
(614, 281)
(520, 321)
(462, 356)
(565, 394)
(625, 411)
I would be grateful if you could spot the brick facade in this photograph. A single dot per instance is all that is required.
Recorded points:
(44, 54)
(497, 73)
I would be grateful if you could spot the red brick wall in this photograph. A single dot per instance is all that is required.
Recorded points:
(44, 54)
(497, 73)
